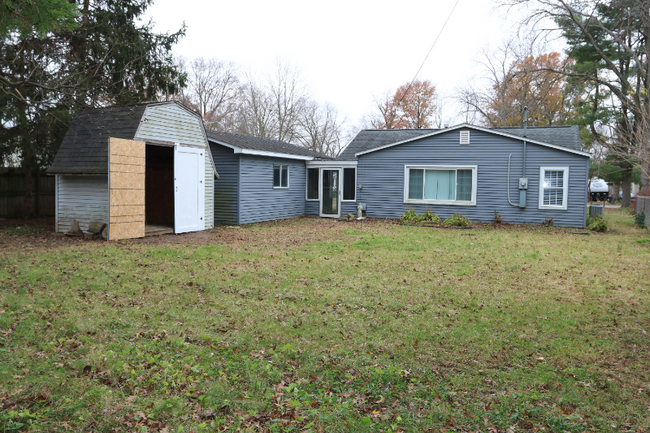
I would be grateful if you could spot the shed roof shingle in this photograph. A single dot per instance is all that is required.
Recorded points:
(261, 144)
(84, 149)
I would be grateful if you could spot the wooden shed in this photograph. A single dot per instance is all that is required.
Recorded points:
(138, 168)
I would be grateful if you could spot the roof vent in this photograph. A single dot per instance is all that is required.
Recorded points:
(464, 137)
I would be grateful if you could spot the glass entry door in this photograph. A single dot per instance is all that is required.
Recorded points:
(330, 202)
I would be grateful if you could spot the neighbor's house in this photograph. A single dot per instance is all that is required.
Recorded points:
(135, 167)
(465, 169)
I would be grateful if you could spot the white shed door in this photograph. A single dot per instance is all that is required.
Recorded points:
(189, 191)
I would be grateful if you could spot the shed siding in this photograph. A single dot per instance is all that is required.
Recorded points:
(84, 198)
(226, 209)
(382, 175)
(259, 201)
(173, 124)
(209, 192)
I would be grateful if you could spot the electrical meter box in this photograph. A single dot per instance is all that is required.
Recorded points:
(523, 183)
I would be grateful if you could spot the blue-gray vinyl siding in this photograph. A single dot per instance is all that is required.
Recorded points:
(382, 175)
(226, 188)
(258, 200)
(312, 208)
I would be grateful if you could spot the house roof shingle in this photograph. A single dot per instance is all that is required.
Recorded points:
(367, 139)
(565, 136)
(84, 149)
(261, 144)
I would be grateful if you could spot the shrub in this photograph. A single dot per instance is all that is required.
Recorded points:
(410, 216)
(429, 216)
(639, 220)
(498, 219)
(457, 220)
(596, 223)
(548, 222)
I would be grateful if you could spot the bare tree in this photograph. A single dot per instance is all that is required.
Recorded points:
(518, 75)
(290, 98)
(320, 128)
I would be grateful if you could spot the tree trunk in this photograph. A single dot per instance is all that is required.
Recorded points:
(626, 185)
(616, 192)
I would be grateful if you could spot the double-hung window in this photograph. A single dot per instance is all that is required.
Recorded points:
(280, 176)
(436, 184)
(553, 184)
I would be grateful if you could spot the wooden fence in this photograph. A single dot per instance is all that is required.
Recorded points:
(12, 193)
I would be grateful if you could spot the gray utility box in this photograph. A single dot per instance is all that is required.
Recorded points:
(597, 210)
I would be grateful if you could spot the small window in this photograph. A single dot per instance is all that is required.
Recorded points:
(441, 185)
(349, 184)
(312, 183)
(553, 184)
(280, 176)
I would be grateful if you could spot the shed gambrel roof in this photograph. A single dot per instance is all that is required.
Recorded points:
(261, 146)
(84, 149)
(562, 137)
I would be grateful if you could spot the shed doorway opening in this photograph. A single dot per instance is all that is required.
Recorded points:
(159, 190)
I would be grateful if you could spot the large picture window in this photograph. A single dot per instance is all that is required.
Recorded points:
(553, 184)
(440, 185)
(280, 176)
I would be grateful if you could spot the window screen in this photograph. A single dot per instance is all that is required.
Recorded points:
(349, 183)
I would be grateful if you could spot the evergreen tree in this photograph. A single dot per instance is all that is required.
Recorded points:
(106, 58)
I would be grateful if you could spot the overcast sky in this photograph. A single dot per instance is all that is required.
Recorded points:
(349, 52)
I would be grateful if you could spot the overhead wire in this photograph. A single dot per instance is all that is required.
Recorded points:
(430, 49)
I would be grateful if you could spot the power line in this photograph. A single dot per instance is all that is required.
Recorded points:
(430, 49)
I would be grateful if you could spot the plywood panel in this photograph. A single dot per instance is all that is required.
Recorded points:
(126, 185)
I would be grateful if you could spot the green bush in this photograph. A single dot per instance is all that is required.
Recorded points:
(410, 216)
(429, 216)
(457, 220)
(596, 223)
(639, 219)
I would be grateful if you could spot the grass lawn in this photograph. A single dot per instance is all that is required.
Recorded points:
(318, 325)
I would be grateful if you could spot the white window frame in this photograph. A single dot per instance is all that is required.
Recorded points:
(307, 182)
(343, 184)
(565, 188)
(407, 200)
(288, 176)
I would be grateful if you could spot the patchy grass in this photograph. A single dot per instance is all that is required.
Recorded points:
(315, 325)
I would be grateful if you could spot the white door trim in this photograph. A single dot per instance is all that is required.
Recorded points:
(339, 191)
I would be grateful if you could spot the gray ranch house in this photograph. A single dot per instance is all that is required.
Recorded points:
(526, 176)
(149, 166)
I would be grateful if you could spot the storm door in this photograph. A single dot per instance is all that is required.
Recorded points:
(330, 202)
